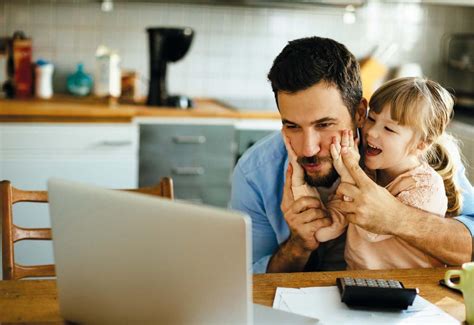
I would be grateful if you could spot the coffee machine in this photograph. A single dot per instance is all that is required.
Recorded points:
(166, 45)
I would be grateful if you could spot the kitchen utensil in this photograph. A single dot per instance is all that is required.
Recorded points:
(166, 45)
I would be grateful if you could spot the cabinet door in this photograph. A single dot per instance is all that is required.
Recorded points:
(465, 133)
(199, 158)
(100, 154)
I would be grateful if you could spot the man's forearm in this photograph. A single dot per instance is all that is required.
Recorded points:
(443, 238)
(288, 258)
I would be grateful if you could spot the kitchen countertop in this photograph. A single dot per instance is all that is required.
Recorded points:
(90, 110)
(67, 109)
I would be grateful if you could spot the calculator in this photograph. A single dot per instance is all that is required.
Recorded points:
(375, 293)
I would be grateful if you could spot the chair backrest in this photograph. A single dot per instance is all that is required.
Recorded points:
(12, 233)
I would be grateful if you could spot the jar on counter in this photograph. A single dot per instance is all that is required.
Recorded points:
(79, 83)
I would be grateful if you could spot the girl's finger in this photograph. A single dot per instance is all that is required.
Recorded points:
(335, 154)
(344, 141)
(337, 144)
(351, 139)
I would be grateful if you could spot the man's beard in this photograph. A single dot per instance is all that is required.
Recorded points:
(323, 180)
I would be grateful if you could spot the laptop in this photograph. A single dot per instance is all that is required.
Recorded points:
(129, 258)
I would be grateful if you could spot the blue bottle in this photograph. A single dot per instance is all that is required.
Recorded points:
(79, 83)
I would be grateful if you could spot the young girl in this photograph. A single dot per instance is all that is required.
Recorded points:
(404, 150)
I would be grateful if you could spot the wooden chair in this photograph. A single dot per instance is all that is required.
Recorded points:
(11, 233)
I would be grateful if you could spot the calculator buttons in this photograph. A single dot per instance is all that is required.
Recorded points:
(375, 293)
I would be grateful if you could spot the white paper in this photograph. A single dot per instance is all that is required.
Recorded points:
(325, 304)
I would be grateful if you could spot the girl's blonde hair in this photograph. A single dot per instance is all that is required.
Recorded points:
(427, 107)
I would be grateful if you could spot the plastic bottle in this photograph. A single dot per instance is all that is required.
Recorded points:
(44, 79)
(107, 73)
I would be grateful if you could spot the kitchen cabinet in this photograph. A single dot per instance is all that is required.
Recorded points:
(30, 153)
(465, 3)
(199, 156)
(464, 132)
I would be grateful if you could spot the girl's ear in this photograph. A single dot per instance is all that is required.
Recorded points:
(361, 113)
(422, 145)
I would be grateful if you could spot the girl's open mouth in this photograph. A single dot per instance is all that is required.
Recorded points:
(372, 150)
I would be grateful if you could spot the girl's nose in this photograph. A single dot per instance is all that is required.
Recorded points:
(372, 132)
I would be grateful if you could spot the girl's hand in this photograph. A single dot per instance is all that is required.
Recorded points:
(346, 146)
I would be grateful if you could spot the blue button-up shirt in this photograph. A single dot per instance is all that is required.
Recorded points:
(257, 189)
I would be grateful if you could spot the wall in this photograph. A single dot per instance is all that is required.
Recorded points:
(234, 46)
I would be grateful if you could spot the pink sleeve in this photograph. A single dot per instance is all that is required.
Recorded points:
(427, 194)
(424, 189)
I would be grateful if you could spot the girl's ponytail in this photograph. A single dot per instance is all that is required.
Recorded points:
(441, 159)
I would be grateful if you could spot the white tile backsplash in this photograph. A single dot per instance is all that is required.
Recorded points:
(234, 46)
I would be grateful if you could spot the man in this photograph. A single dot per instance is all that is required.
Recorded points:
(318, 91)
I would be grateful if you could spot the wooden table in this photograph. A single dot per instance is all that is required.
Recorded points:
(36, 301)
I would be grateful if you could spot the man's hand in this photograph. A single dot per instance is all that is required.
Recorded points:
(367, 204)
(304, 217)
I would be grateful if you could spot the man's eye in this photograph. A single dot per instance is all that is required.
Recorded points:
(324, 125)
(291, 126)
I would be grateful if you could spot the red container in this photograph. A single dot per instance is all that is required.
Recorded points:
(23, 76)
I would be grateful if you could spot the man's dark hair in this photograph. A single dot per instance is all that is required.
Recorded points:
(305, 62)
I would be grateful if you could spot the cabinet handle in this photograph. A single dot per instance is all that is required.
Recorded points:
(117, 143)
(188, 170)
(189, 139)
(195, 200)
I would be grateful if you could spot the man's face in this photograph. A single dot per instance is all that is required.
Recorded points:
(311, 118)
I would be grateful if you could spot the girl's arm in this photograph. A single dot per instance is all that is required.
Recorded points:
(374, 208)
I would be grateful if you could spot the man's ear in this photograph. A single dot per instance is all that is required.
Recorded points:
(361, 113)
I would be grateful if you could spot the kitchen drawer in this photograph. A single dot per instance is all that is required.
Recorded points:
(187, 140)
(188, 156)
(216, 195)
(190, 171)
(46, 140)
